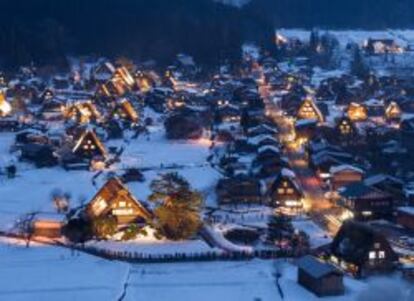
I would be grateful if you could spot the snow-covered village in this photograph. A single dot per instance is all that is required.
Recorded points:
(284, 175)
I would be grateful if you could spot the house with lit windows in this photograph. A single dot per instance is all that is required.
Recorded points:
(309, 110)
(125, 111)
(357, 112)
(285, 191)
(346, 128)
(5, 107)
(393, 111)
(82, 111)
(360, 249)
(114, 199)
(88, 145)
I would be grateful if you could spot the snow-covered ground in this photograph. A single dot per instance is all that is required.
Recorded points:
(317, 236)
(50, 273)
(31, 190)
(241, 281)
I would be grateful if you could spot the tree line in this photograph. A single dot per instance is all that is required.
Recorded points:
(46, 31)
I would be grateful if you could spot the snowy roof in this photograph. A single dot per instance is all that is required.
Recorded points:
(343, 167)
(50, 216)
(407, 210)
(381, 177)
(316, 268)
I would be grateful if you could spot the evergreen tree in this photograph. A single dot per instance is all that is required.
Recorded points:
(177, 207)
(279, 228)
(358, 66)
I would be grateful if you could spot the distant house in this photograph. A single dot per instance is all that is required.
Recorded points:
(365, 202)
(53, 109)
(390, 185)
(103, 71)
(393, 112)
(184, 124)
(5, 107)
(239, 189)
(42, 155)
(262, 129)
(125, 110)
(342, 175)
(322, 279)
(82, 112)
(346, 128)
(382, 46)
(285, 191)
(229, 113)
(88, 145)
(360, 249)
(115, 199)
(357, 112)
(405, 217)
(309, 110)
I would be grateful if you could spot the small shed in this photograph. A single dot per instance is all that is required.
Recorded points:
(322, 279)
(48, 225)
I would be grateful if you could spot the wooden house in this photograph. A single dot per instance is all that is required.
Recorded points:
(346, 128)
(366, 202)
(42, 155)
(102, 72)
(240, 189)
(322, 279)
(125, 111)
(285, 191)
(229, 113)
(345, 174)
(360, 249)
(5, 107)
(389, 184)
(53, 109)
(47, 95)
(309, 110)
(82, 112)
(382, 46)
(393, 111)
(405, 217)
(184, 124)
(48, 225)
(115, 199)
(262, 129)
(88, 146)
(357, 112)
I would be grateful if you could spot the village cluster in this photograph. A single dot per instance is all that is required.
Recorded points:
(301, 163)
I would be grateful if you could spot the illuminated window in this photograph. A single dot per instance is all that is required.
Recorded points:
(281, 191)
(289, 190)
(381, 254)
(377, 245)
(372, 255)
(122, 204)
(99, 205)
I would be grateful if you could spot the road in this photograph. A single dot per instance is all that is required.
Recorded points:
(319, 208)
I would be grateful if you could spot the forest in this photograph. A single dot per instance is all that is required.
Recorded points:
(44, 32)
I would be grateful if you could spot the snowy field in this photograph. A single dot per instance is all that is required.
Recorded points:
(238, 281)
(40, 273)
(48, 273)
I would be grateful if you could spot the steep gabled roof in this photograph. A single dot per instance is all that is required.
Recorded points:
(110, 192)
(91, 135)
(355, 239)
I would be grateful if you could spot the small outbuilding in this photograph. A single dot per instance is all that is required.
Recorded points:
(322, 279)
